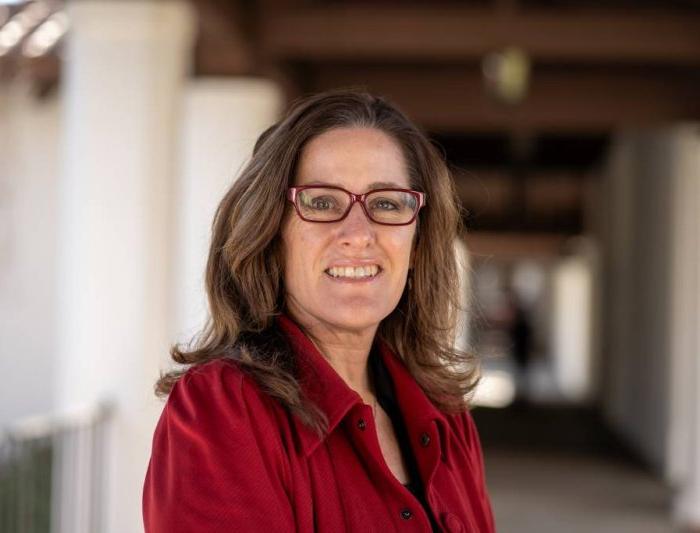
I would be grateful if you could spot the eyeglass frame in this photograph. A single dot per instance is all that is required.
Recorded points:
(360, 198)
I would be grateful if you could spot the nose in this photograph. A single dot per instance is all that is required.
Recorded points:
(356, 229)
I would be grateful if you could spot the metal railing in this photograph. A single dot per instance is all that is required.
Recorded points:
(52, 472)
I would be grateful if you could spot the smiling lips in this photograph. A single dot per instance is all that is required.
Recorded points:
(348, 272)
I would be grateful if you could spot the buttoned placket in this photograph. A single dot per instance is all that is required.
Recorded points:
(425, 443)
(409, 509)
(427, 432)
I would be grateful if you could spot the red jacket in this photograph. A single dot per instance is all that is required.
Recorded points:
(226, 457)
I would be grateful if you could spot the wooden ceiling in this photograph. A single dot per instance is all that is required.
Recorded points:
(593, 66)
(525, 166)
(593, 69)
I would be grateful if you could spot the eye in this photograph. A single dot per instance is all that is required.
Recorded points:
(322, 203)
(385, 204)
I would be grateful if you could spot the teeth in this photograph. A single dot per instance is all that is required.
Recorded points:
(353, 272)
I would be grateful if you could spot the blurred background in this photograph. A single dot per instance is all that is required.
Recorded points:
(572, 130)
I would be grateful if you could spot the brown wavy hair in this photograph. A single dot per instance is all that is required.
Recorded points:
(244, 274)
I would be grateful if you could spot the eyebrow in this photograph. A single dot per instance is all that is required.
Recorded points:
(375, 185)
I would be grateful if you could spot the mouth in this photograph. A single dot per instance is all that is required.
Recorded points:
(360, 273)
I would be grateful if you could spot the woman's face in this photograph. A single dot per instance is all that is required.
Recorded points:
(359, 160)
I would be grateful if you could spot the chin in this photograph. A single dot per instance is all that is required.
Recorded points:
(354, 318)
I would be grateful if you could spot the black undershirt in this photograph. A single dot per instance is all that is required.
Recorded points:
(384, 390)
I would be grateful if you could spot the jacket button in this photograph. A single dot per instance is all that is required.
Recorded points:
(424, 439)
(452, 523)
(406, 514)
(361, 424)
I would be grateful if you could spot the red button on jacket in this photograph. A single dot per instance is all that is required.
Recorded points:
(227, 458)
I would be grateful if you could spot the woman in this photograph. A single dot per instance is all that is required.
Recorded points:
(325, 393)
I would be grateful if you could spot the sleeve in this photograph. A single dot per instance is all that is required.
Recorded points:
(476, 459)
(213, 468)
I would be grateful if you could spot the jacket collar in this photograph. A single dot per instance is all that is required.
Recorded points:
(324, 386)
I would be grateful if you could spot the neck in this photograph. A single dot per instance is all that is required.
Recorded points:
(347, 351)
(351, 363)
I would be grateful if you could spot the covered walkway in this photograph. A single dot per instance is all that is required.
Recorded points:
(566, 458)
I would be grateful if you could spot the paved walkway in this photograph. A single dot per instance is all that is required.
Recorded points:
(559, 470)
(556, 493)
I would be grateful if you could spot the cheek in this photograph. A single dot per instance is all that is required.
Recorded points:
(302, 249)
(401, 243)
(291, 244)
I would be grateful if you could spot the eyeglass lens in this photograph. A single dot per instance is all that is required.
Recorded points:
(386, 207)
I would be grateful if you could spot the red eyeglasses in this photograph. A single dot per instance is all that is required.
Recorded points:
(328, 203)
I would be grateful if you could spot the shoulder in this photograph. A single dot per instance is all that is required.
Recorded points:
(467, 435)
(216, 456)
(220, 379)
(217, 405)
(468, 439)
(215, 380)
(218, 395)
(466, 425)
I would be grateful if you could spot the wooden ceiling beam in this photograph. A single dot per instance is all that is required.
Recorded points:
(453, 99)
(484, 245)
(225, 44)
(414, 33)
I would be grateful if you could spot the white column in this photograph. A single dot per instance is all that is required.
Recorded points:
(222, 120)
(571, 338)
(638, 291)
(683, 450)
(124, 70)
(462, 338)
(654, 292)
(29, 134)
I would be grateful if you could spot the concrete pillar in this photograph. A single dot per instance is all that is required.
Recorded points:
(222, 120)
(683, 450)
(638, 291)
(653, 298)
(571, 338)
(29, 129)
(462, 339)
(125, 66)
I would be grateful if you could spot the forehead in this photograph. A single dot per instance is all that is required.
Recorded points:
(353, 158)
